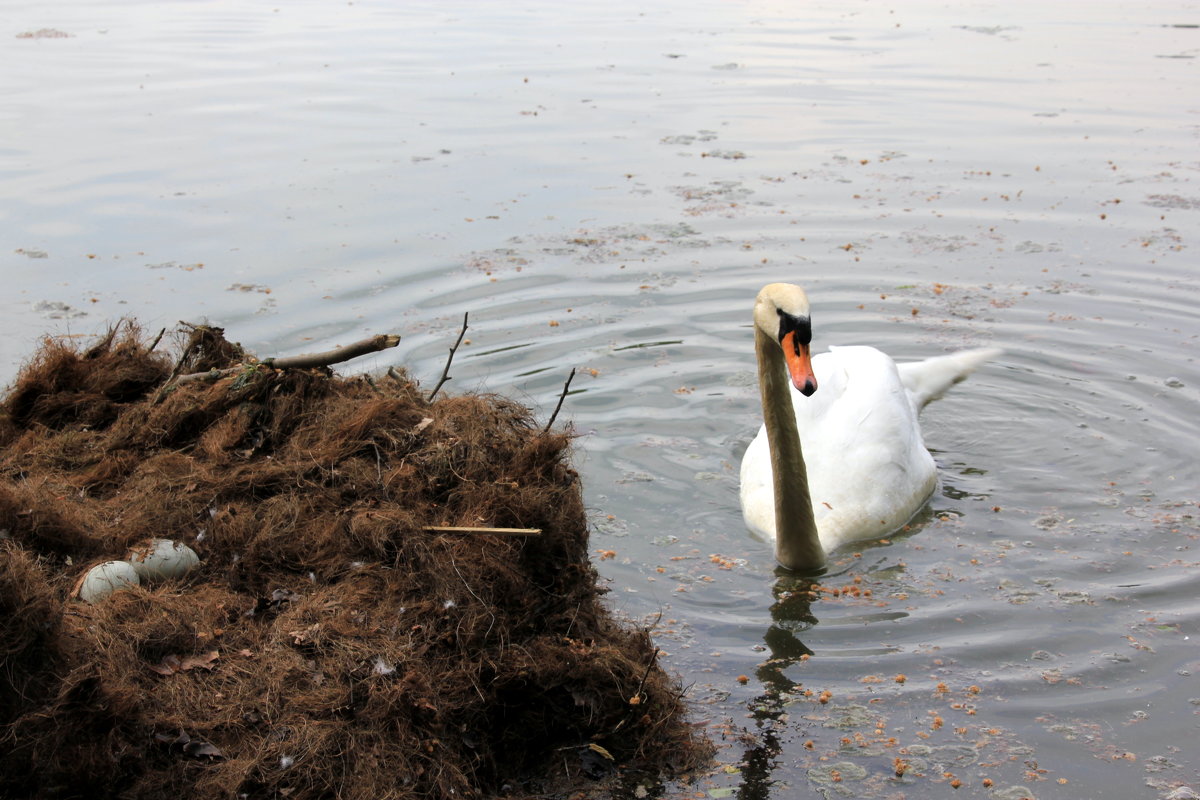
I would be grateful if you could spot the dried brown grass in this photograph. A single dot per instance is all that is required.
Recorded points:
(356, 654)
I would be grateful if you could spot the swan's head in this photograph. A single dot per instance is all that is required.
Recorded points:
(781, 312)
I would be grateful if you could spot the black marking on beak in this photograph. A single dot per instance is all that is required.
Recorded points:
(801, 325)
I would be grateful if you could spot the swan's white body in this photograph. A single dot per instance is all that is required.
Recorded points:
(868, 471)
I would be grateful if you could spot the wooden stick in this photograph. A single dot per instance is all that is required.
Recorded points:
(337, 355)
(561, 397)
(446, 372)
(178, 364)
(102, 346)
(212, 376)
(307, 361)
(497, 531)
(157, 339)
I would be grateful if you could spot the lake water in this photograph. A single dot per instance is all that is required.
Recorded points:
(605, 187)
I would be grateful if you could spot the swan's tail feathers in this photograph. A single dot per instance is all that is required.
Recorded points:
(928, 380)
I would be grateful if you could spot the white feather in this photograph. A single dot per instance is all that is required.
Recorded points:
(868, 469)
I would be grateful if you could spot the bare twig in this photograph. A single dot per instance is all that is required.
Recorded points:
(645, 674)
(307, 361)
(157, 339)
(653, 655)
(337, 355)
(446, 372)
(183, 357)
(496, 531)
(212, 376)
(169, 383)
(379, 465)
(102, 346)
(484, 605)
(561, 397)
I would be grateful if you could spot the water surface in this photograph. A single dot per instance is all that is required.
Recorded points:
(606, 188)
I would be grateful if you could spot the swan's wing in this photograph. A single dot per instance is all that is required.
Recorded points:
(928, 380)
(868, 469)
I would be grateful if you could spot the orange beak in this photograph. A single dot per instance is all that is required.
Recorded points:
(799, 364)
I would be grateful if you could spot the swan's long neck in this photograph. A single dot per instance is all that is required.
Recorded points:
(797, 546)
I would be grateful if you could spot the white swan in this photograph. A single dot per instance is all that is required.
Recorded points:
(854, 446)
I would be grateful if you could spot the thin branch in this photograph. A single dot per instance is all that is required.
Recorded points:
(102, 346)
(307, 361)
(157, 339)
(379, 466)
(169, 383)
(653, 655)
(482, 603)
(212, 376)
(561, 397)
(496, 531)
(645, 674)
(446, 372)
(337, 355)
(183, 357)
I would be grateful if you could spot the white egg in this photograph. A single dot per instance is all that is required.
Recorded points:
(104, 579)
(163, 558)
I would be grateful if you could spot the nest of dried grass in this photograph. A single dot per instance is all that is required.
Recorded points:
(328, 645)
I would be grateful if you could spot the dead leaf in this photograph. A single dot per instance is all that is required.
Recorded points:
(598, 749)
(281, 597)
(204, 661)
(306, 636)
(171, 664)
(196, 748)
(168, 666)
(199, 749)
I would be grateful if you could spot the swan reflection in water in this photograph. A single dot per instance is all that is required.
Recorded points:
(792, 617)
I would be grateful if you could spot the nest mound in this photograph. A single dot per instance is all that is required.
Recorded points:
(328, 644)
